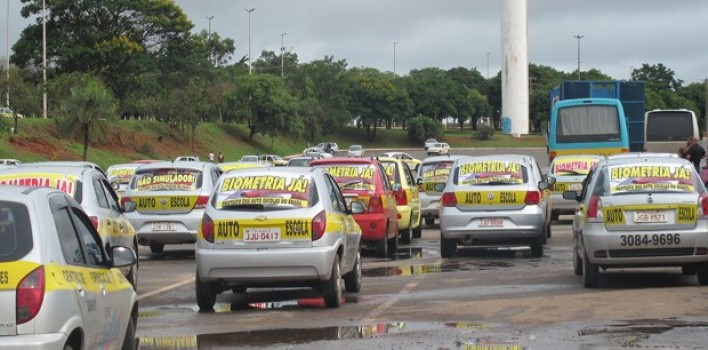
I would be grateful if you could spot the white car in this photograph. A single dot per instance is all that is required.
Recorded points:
(10, 162)
(439, 148)
(187, 159)
(315, 152)
(355, 151)
(430, 142)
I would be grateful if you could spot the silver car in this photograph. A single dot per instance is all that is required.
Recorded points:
(569, 172)
(279, 226)
(169, 198)
(494, 200)
(59, 288)
(431, 178)
(641, 210)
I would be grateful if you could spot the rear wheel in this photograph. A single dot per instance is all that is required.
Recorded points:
(430, 220)
(129, 341)
(554, 216)
(591, 272)
(577, 263)
(157, 247)
(352, 280)
(548, 230)
(703, 274)
(382, 246)
(393, 244)
(537, 245)
(418, 231)
(407, 234)
(333, 287)
(206, 294)
(448, 247)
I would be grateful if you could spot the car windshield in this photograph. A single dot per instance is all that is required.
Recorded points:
(573, 166)
(352, 177)
(436, 172)
(167, 179)
(491, 172)
(285, 191)
(355, 148)
(633, 178)
(391, 169)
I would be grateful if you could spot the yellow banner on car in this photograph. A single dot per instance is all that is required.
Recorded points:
(490, 197)
(288, 229)
(165, 202)
(684, 214)
(62, 182)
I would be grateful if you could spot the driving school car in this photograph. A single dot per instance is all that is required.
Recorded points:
(569, 172)
(169, 199)
(431, 179)
(405, 192)
(284, 226)
(59, 289)
(119, 176)
(641, 210)
(494, 200)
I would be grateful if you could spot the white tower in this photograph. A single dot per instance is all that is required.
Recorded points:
(515, 67)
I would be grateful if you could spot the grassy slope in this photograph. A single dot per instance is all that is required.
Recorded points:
(37, 139)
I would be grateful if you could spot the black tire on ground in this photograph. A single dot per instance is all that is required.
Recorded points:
(430, 220)
(206, 294)
(129, 341)
(332, 288)
(702, 274)
(352, 280)
(591, 272)
(448, 247)
(407, 234)
(554, 216)
(157, 247)
(577, 263)
(393, 244)
(689, 269)
(382, 247)
(548, 230)
(418, 231)
(537, 245)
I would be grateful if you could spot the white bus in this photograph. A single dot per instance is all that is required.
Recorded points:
(666, 130)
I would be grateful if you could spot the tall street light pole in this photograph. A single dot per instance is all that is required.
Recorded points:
(578, 37)
(44, 59)
(249, 37)
(488, 53)
(7, 53)
(394, 58)
(282, 55)
(209, 18)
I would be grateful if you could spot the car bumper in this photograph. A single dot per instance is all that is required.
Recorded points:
(562, 206)
(597, 240)
(185, 227)
(373, 226)
(430, 206)
(34, 341)
(527, 222)
(248, 265)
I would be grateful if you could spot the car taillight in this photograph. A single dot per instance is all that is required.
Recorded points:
(94, 221)
(703, 205)
(449, 199)
(319, 223)
(207, 228)
(375, 204)
(30, 294)
(532, 197)
(595, 210)
(201, 202)
(401, 197)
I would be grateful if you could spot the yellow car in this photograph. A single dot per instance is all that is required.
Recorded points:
(407, 198)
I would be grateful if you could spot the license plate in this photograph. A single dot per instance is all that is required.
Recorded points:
(164, 226)
(271, 234)
(656, 216)
(575, 187)
(491, 223)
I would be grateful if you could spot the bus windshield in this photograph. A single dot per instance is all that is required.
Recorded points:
(669, 125)
(588, 123)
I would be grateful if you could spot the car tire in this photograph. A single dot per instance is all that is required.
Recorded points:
(393, 244)
(554, 216)
(537, 245)
(591, 272)
(448, 247)
(157, 247)
(689, 269)
(548, 229)
(430, 220)
(332, 288)
(702, 274)
(407, 234)
(129, 341)
(382, 246)
(418, 231)
(206, 295)
(577, 262)
(352, 280)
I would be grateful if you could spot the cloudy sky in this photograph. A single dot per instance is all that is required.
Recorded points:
(618, 34)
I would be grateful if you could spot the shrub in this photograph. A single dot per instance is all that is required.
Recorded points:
(484, 132)
(422, 128)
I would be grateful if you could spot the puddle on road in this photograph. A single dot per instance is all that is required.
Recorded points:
(636, 334)
(408, 270)
(400, 254)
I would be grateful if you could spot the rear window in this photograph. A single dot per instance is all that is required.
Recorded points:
(167, 179)
(649, 178)
(573, 166)
(669, 126)
(121, 174)
(15, 231)
(264, 191)
(392, 174)
(68, 184)
(491, 172)
(436, 172)
(353, 177)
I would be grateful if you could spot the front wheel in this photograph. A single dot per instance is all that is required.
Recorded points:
(352, 280)
(577, 263)
(418, 231)
(333, 287)
(702, 274)
(537, 246)
(382, 247)
(206, 294)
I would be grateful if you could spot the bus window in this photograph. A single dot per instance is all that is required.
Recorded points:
(667, 130)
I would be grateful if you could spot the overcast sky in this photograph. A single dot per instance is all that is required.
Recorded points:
(618, 34)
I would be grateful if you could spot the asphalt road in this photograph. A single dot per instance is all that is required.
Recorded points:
(481, 299)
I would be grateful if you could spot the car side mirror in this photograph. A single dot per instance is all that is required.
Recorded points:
(571, 195)
(543, 185)
(439, 187)
(357, 207)
(123, 256)
(129, 207)
(550, 179)
(396, 187)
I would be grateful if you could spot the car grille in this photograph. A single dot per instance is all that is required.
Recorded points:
(632, 253)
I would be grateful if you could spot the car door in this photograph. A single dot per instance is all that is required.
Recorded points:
(347, 223)
(413, 194)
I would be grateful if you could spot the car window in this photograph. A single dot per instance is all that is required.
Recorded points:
(383, 179)
(100, 193)
(111, 195)
(15, 231)
(651, 177)
(70, 245)
(264, 192)
(352, 176)
(335, 195)
(89, 239)
(491, 172)
(391, 171)
(409, 175)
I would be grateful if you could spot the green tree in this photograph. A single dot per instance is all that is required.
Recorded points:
(270, 63)
(657, 77)
(87, 111)
(374, 98)
(430, 90)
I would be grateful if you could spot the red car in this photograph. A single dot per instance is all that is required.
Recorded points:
(364, 180)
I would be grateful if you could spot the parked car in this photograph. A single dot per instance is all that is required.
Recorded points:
(494, 200)
(569, 172)
(429, 142)
(407, 198)
(328, 147)
(301, 161)
(187, 159)
(431, 179)
(60, 288)
(9, 113)
(249, 158)
(640, 210)
(439, 148)
(316, 152)
(406, 158)
(10, 162)
(274, 159)
(365, 180)
(91, 189)
(169, 199)
(355, 151)
(283, 226)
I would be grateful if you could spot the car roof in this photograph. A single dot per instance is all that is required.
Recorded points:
(643, 155)
(197, 165)
(61, 163)
(11, 192)
(647, 157)
(343, 160)
(76, 170)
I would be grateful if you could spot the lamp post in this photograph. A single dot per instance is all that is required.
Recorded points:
(44, 59)
(394, 58)
(488, 53)
(209, 18)
(282, 55)
(579, 37)
(7, 53)
(249, 37)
